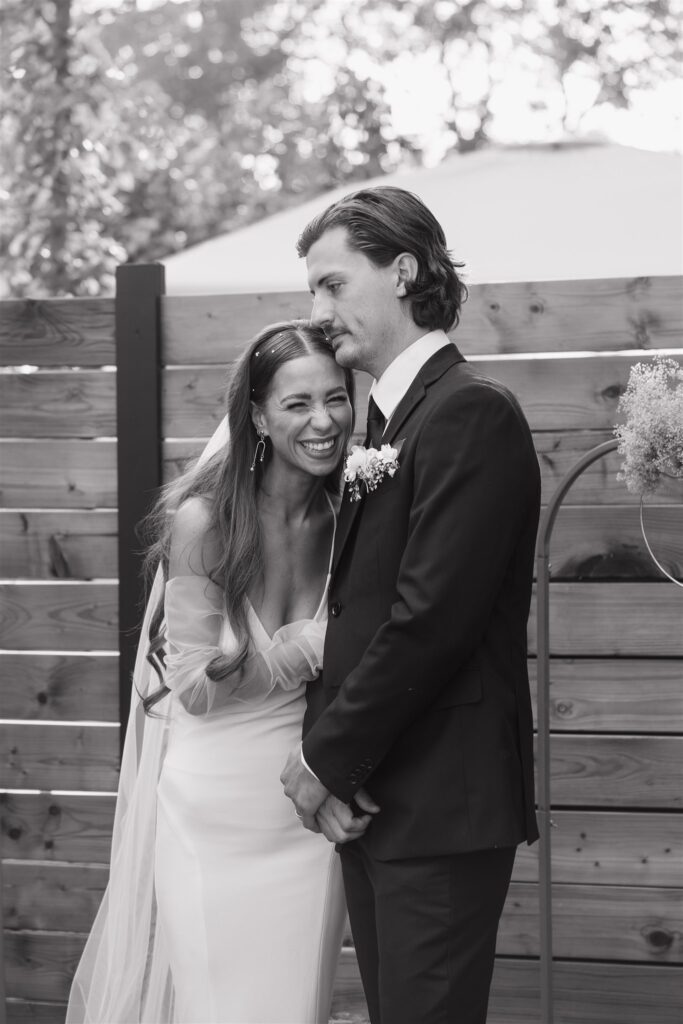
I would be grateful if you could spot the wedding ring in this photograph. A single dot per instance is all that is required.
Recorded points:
(299, 816)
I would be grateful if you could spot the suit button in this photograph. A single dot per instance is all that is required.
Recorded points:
(335, 609)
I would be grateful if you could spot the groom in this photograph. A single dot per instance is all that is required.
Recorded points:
(417, 754)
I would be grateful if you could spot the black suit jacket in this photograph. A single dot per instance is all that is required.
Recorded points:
(424, 698)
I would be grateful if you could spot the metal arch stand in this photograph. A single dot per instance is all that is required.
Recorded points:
(543, 702)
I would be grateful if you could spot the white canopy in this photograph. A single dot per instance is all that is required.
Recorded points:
(512, 214)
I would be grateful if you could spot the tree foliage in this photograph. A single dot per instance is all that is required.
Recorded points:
(130, 132)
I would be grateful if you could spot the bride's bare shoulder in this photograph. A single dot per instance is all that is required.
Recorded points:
(194, 543)
(193, 516)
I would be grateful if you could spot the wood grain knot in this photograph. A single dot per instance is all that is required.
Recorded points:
(660, 940)
(612, 392)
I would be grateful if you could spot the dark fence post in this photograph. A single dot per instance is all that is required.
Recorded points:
(138, 410)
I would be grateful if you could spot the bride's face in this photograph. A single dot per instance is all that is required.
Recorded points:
(307, 415)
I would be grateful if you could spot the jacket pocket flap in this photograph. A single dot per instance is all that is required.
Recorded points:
(463, 688)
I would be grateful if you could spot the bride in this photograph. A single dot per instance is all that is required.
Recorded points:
(220, 906)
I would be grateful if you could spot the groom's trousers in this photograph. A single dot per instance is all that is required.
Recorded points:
(425, 932)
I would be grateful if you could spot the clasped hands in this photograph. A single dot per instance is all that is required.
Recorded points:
(321, 811)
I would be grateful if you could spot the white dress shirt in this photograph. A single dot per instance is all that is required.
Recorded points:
(394, 383)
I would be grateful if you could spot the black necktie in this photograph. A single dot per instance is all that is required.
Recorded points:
(376, 424)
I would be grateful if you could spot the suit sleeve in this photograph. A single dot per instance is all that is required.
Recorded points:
(475, 480)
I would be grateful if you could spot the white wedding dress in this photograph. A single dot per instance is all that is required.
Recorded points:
(221, 908)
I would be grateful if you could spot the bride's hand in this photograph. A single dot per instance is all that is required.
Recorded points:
(337, 821)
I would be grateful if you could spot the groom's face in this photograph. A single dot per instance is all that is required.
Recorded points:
(355, 302)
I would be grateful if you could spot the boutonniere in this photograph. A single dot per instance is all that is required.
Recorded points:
(369, 466)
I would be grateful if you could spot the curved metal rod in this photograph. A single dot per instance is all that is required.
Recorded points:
(651, 552)
(543, 723)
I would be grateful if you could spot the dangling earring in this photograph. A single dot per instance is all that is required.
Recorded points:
(258, 456)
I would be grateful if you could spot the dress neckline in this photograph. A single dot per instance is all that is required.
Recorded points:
(323, 598)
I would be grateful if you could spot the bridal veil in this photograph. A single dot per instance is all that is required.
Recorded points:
(123, 976)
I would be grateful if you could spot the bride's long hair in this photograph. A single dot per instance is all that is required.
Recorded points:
(228, 486)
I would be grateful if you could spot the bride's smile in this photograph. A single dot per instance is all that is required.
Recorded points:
(306, 418)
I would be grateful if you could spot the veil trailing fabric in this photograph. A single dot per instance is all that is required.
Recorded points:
(124, 976)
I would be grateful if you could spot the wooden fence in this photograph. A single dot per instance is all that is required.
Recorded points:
(617, 652)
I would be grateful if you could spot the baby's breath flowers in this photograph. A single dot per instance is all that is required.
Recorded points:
(369, 466)
(651, 438)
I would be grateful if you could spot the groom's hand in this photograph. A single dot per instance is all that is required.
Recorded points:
(305, 791)
(337, 821)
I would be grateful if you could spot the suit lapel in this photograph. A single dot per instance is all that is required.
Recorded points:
(345, 520)
(431, 371)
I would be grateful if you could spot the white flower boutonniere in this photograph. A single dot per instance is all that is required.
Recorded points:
(369, 466)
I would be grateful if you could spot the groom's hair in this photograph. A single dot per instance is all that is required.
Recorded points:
(384, 222)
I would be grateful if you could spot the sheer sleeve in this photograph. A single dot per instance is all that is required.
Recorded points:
(295, 656)
(194, 622)
(194, 608)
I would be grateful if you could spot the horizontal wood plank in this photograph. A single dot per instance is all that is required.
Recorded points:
(604, 315)
(224, 323)
(612, 620)
(589, 921)
(638, 695)
(583, 993)
(571, 393)
(193, 400)
(52, 897)
(594, 922)
(549, 316)
(59, 403)
(58, 545)
(61, 757)
(60, 687)
(592, 542)
(597, 922)
(588, 847)
(41, 965)
(609, 848)
(45, 474)
(59, 616)
(586, 619)
(31, 1011)
(57, 332)
(617, 771)
(588, 542)
(57, 827)
(586, 993)
(567, 392)
(558, 452)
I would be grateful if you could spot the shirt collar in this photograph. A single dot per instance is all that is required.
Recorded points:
(389, 389)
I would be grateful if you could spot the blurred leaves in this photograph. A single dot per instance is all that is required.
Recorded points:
(131, 131)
